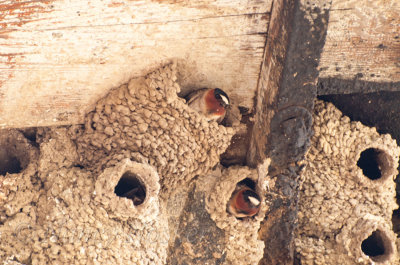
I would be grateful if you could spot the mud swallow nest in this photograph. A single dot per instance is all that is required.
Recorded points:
(348, 193)
(62, 201)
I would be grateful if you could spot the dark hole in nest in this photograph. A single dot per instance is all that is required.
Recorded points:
(396, 219)
(9, 163)
(248, 183)
(79, 166)
(30, 133)
(374, 245)
(93, 125)
(369, 162)
(129, 186)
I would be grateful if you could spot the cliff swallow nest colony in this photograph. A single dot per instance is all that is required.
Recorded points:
(65, 197)
(348, 194)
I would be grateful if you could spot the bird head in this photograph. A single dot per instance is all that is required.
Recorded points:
(244, 203)
(251, 198)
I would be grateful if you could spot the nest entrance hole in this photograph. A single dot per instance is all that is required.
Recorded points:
(9, 163)
(377, 246)
(129, 186)
(248, 183)
(243, 209)
(374, 163)
(15, 152)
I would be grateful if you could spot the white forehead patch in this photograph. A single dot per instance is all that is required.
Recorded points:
(254, 201)
(224, 99)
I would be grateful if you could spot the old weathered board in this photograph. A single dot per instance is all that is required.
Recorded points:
(362, 45)
(58, 57)
(282, 127)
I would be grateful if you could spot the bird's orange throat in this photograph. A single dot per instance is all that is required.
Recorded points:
(213, 105)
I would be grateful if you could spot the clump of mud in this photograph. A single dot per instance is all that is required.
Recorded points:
(146, 116)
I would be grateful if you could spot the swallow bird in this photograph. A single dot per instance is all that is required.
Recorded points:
(137, 195)
(244, 202)
(212, 103)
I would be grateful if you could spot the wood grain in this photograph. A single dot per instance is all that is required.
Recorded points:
(58, 57)
(363, 41)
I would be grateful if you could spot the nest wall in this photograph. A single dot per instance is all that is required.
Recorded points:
(348, 193)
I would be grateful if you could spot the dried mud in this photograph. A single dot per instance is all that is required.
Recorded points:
(69, 195)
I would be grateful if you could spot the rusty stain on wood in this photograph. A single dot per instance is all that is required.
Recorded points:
(19, 12)
(13, 15)
(116, 4)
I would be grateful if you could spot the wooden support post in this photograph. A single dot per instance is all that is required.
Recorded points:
(270, 77)
(286, 91)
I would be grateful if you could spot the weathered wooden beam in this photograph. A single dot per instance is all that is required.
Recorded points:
(286, 92)
(289, 72)
(270, 77)
(362, 46)
(57, 57)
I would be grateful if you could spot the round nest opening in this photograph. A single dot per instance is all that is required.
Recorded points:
(248, 182)
(9, 162)
(14, 153)
(130, 186)
(375, 164)
(377, 246)
(244, 202)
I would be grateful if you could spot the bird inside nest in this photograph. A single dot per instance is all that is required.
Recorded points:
(211, 102)
(136, 194)
(244, 202)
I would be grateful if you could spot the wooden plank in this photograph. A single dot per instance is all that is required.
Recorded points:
(282, 127)
(57, 58)
(273, 228)
(269, 79)
(363, 41)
